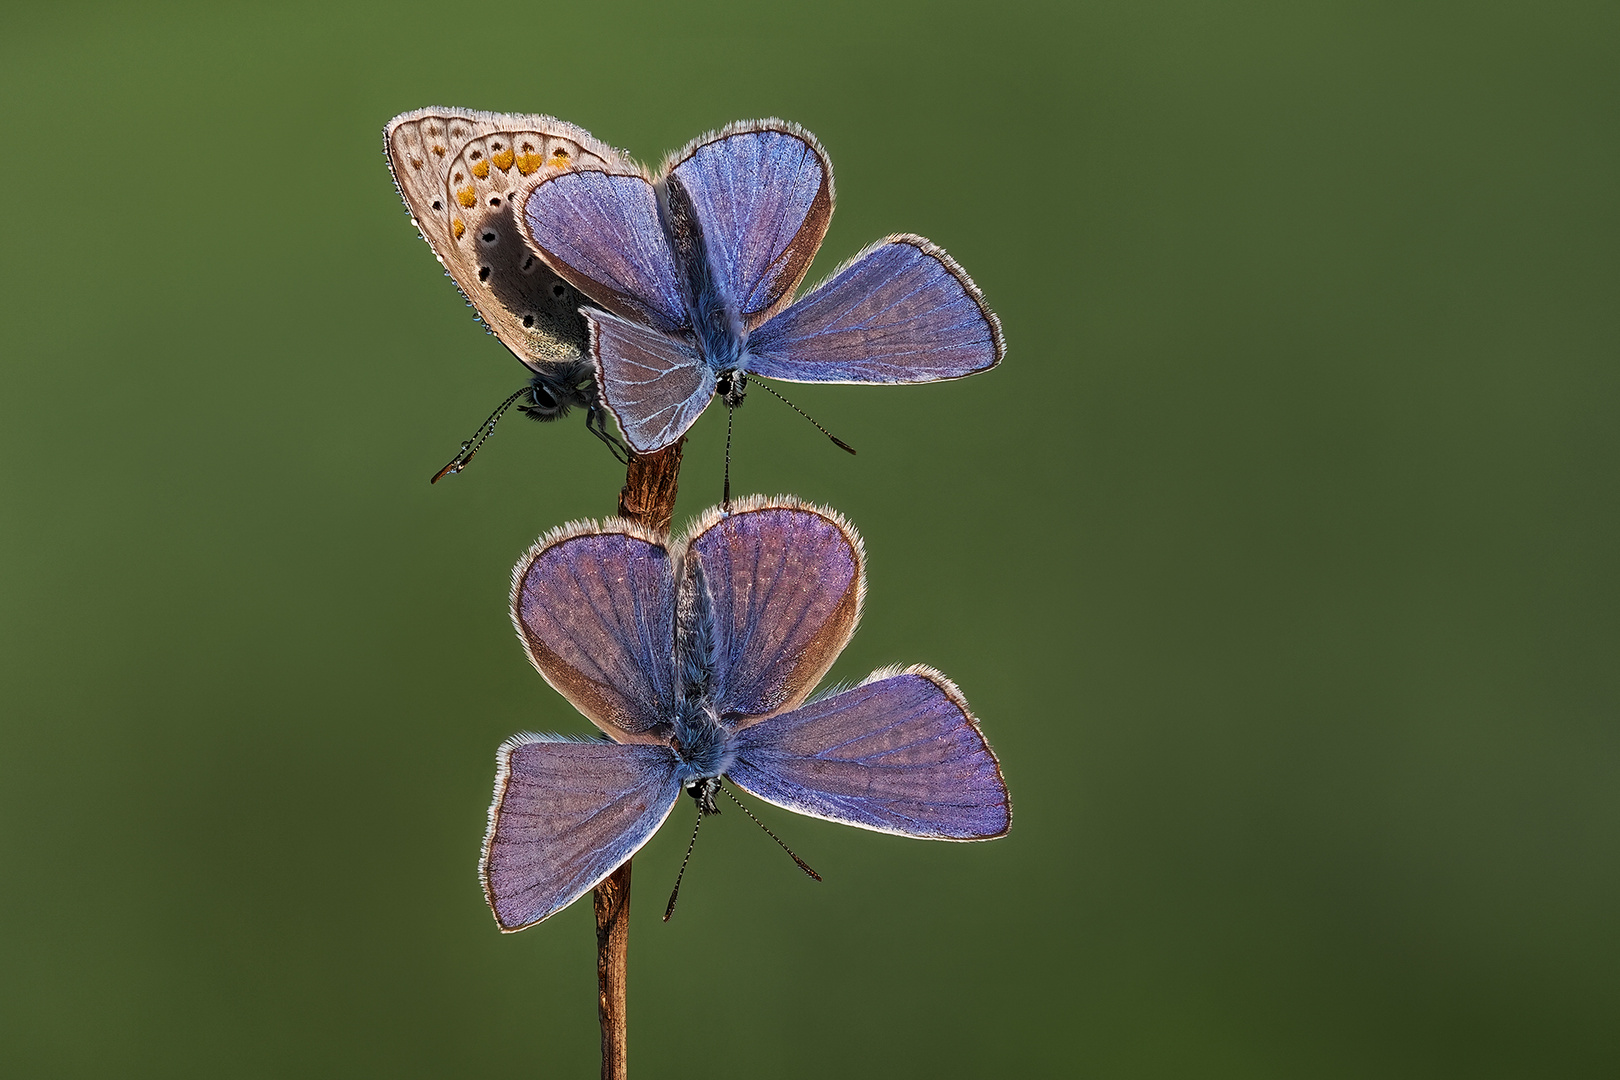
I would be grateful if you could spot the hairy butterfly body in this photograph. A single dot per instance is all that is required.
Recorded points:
(695, 271)
(697, 658)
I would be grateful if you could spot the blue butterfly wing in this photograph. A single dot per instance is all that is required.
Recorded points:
(902, 311)
(762, 193)
(600, 231)
(565, 816)
(784, 584)
(654, 384)
(595, 607)
(900, 754)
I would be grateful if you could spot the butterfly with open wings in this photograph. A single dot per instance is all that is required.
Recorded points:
(695, 269)
(697, 657)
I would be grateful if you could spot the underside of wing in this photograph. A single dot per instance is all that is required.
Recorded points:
(594, 604)
(458, 171)
(900, 753)
(566, 814)
(902, 311)
(763, 194)
(654, 384)
(784, 582)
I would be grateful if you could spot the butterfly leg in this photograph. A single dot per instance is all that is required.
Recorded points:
(596, 424)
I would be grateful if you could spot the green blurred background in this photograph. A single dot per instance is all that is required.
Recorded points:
(1279, 558)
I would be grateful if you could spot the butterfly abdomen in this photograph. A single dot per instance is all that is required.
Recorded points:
(713, 311)
(695, 637)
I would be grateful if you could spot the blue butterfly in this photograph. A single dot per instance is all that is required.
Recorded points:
(697, 658)
(697, 269)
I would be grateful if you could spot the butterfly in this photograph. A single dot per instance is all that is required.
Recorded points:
(458, 171)
(696, 657)
(696, 269)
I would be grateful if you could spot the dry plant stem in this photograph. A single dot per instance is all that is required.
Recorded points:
(648, 499)
(612, 902)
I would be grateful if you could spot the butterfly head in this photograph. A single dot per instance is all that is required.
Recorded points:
(731, 387)
(703, 792)
(553, 392)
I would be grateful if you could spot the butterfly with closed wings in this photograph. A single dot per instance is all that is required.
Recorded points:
(459, 172)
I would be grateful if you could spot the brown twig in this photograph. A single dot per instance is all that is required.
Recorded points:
(648, 499)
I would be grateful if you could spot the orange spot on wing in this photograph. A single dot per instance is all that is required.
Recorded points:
(467, 196)
(503, 159)
(527, 163)
(481, 169)
(559, 158)
(458, 228)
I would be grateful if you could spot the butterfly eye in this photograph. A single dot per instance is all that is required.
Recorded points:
(543, 398)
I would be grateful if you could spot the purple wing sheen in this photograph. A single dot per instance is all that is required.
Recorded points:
(763, 193)
(600, 231)
(900, 754)
(900, 312)
(596, 610)
(785, 585)
(565, 816)
(654, 384)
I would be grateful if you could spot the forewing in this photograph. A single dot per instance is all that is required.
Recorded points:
(458, 171)
(900, 753)
(565, 816)
(655, 384)
(763, 194)
(600, 230)
(595, 607)
(785, 583)
(901, 311)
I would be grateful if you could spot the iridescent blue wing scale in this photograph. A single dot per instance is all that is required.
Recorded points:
(763, 193)
(785, 583)
(566, 815)
(900, 312)
(655, 384)
(595, 607)
(900, 753)
(600, 232)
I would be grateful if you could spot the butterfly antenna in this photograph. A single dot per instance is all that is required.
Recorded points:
(840, 443)
(479, 438)
(676, 891)
(725, 490)
(802, 864)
